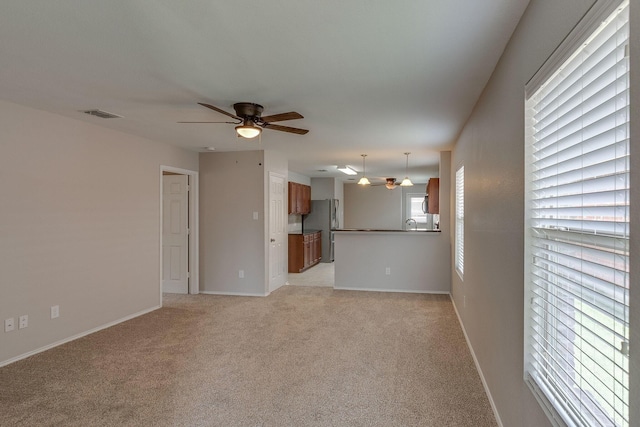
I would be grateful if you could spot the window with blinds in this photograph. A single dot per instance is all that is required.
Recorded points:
(577, 237)
(459, 242)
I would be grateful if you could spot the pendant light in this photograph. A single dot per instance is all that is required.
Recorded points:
(363, 180)
(406, 182)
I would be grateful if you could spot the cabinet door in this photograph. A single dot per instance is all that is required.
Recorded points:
(305, 199)
(433, 191)
(295, 194)
(307, 251)
(296, 253)
(317, 242)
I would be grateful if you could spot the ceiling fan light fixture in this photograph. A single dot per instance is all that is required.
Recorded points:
(406, 182)
(248, 130)
(347, 170)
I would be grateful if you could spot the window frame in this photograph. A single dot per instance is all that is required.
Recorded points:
(459, 222)
(549, 399)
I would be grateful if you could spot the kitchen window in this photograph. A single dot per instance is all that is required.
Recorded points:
(459, 242)
(416, 210)
(577, 225)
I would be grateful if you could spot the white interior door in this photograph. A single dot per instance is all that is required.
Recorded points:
(277, 232)
(175, 234)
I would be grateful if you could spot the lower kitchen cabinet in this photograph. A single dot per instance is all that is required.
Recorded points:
(304, 251)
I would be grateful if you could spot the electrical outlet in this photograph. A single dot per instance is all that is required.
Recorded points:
(387, 271)
(23, 322)
(55, 311)
(255, 215)
(9, 324)
(241, 274)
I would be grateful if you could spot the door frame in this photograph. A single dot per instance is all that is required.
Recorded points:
(194, 227)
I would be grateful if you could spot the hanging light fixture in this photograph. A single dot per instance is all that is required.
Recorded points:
(363, 180)
(248, 129)
(406, 182)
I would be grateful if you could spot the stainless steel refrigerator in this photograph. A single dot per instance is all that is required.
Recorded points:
(323, 217)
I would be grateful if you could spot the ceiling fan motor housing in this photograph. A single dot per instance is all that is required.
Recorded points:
(248, 110)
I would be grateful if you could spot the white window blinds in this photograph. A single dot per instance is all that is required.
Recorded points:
(577, 240)
(459, 242)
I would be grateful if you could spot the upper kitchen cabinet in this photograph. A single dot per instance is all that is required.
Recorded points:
(299, 198)
(433, 192)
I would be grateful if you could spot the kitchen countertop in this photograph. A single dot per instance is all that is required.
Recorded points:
(305, 232)
(374, 230)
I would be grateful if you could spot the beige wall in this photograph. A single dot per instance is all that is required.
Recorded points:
(372, 207)
(491, 148)
(79, 225)
(231, 189)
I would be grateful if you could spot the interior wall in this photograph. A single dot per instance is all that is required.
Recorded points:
(329, 188)
(79, 225)
(300, 179)
(338, 190)
(231, 190)
(373, 207)
(491, 147)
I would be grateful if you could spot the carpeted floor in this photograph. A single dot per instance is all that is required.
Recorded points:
(304, 356)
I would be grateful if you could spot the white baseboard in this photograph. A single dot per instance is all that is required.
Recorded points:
(75, 337)
(404, 291)
(475, 360)
(235, 294)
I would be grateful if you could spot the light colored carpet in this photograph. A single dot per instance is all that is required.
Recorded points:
(304, 356)
(322, 274)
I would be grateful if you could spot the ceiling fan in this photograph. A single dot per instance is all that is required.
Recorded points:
(390, 183)
(251, 122)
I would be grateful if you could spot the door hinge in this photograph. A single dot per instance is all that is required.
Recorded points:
(188, 231)
(188, 275)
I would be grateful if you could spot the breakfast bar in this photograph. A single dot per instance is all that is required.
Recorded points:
(392, 261)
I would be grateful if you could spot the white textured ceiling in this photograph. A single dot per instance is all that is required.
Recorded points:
(370, 76)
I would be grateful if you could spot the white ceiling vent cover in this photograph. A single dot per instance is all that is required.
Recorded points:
(102, 114)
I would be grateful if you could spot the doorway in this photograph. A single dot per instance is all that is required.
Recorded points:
(178, 231)
(277, 232)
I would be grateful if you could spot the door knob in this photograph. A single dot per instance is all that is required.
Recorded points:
(273, 240)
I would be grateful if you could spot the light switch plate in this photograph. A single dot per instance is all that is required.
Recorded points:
(9, 324)
(255, 215)
(55, 311)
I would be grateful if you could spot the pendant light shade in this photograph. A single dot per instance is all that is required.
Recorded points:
(406, 182)
(248, 129)
(363, 180)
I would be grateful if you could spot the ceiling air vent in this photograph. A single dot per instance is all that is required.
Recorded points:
(102, 114)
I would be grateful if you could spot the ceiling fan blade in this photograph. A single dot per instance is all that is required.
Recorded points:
(292, 115)
(286, 129)
(219, 110)
(233, 123)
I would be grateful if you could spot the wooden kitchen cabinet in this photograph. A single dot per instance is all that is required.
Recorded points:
(305, 202)
(304, 251)
(433, 191)
(299, 198)
(317, 247)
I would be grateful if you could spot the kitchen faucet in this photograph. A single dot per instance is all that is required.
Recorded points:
(415, 223)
